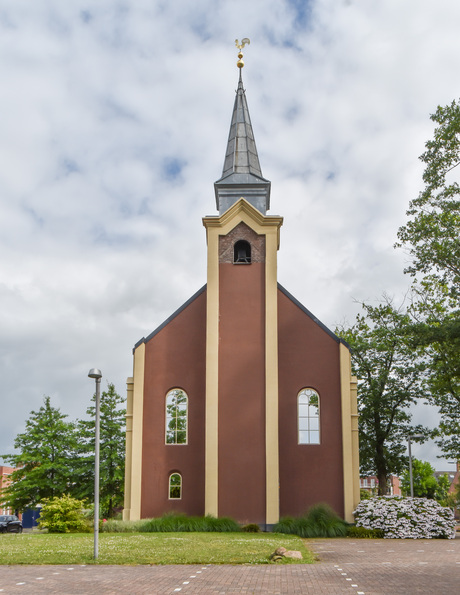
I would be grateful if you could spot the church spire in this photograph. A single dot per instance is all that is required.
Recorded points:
(241, 174)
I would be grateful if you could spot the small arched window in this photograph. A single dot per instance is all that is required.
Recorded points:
(308, 416)
(242, 252)
(176, 416)
(175, 486)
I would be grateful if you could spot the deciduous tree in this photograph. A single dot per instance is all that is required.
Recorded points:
(437, 330)
(112, 452)
(432, 238)
(431, 235)
(390, 375)
(45, 462)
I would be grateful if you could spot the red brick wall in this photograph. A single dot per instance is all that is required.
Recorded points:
(5, 472)
(241, 232)
(308, 357)
(175, 358)
(242, 392)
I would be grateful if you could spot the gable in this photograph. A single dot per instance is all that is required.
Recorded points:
(175, 314)
(307, 312)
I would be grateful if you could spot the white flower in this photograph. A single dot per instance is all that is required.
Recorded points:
(406, 518)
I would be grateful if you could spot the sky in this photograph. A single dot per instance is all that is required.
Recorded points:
(113, 128)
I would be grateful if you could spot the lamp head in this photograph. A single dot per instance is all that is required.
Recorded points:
(95, 373)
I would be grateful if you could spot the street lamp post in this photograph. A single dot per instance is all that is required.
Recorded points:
(411, 480)
(97, 375)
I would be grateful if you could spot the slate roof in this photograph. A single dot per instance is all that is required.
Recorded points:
(242, 174)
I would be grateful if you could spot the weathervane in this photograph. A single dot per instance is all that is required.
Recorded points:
(240, 46)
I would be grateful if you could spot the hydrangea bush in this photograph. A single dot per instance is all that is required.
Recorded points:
(406, 518)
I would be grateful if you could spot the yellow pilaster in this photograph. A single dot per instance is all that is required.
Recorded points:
(355, 440)
(128, 448)
(137, 427)
(212, 375)
(349, 435)
(271, 377)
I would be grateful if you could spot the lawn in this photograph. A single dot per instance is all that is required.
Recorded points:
(148, 548)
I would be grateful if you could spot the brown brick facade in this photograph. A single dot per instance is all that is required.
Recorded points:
(241, 232)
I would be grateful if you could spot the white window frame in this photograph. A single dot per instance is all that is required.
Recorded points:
(308, 422)
(170, 486)
(173, 393)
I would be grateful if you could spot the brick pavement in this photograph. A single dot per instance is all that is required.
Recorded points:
(369, 567)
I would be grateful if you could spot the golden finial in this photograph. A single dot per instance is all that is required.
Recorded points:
(240, 46)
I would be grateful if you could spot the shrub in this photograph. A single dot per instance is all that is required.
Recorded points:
(63, 515)
(400, 518)
(362, 532)
(113, 526)
(173, 522)
(319, 521)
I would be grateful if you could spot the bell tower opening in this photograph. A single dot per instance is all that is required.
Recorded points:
(242, 252)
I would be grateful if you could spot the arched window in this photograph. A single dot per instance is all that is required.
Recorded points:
(242, 252)
(308, 416)
(175, 486)
(176, 416)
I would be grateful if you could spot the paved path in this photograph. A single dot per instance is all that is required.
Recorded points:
(365, 566)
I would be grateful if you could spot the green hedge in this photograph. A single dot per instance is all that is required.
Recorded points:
(173, 522)
(319, 521)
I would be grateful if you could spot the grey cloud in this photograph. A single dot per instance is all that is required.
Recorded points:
(116, 120)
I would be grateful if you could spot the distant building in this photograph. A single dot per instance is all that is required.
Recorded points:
(370, 483)
(242, 403)
(453, 476)
(5, 473)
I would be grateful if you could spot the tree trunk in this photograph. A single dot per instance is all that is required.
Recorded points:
(383, 483)
(381, 468)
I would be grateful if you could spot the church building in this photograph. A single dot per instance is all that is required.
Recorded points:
(242, 402)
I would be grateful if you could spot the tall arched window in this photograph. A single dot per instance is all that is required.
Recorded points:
(242, 252)
(175, 486)
(308, 416)
(176, 416)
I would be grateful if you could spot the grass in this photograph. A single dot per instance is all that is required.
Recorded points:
(319, 521)
(173, 522)
(147, 548)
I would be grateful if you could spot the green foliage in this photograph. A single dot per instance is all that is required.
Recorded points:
(174, 522)
(391, 374)
(442, 490)
(426, 485)
(251, 528)
(117, 526)
(437, 330)
(364, 533)
(63, 515)
(46, 461)
(319, 521)
(424, 482)
(431, 234)
(53, 452)
(112, 452)
(364, 494)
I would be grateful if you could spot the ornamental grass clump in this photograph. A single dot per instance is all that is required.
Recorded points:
(406, 518)
(172, 523)
(319, 521)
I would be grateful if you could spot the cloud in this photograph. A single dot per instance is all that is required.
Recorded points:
(115, 121)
